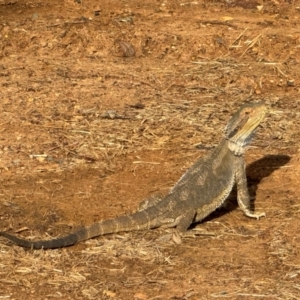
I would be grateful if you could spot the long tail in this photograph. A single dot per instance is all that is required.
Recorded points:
(136, 221)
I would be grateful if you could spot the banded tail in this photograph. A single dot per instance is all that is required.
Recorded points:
(136, 221)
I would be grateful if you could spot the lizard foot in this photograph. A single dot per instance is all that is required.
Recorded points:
(165, 238)
(176, 237)
(256, 216)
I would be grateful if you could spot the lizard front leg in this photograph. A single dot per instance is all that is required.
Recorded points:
(242, 190)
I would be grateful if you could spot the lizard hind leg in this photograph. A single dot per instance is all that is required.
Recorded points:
(184, 223)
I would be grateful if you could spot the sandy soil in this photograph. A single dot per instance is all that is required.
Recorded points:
(104, 103)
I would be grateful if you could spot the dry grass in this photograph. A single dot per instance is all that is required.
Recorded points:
(87, 132)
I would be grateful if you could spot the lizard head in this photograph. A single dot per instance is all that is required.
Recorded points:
(244, 122)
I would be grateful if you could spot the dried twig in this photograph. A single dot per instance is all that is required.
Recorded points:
(254, 41)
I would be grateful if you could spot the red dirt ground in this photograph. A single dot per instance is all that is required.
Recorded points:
(104, 103)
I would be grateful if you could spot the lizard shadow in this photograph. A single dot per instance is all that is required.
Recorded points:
(256, 171)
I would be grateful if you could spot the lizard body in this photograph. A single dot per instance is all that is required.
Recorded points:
(202, 189)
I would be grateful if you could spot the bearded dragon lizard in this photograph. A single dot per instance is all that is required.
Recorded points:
(200, 191)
